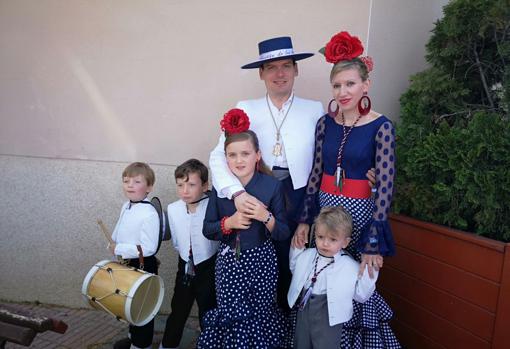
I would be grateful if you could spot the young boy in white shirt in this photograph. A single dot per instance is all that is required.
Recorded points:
(197, 255)
(137, 230)
(325, 280)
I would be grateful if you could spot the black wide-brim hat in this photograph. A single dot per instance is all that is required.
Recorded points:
(276, 49)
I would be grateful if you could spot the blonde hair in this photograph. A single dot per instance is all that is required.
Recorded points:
(140, 168)
(336, 221)
(355, 63)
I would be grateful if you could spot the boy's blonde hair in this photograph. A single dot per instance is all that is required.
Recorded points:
(140, 168)
(336, 220)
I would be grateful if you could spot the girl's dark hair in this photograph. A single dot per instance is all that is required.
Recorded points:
(252, 137)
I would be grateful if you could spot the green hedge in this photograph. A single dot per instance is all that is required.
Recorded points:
(453, 138)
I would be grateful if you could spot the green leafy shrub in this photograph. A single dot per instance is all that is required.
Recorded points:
(453, 139)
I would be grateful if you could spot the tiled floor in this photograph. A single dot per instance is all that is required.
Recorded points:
(91, 329)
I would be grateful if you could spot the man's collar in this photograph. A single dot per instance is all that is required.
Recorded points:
(285, 105)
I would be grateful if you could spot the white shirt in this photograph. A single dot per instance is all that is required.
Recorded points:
(342, 283)
(279, 118)
(137, 225)
(186, 229)
(297, 134)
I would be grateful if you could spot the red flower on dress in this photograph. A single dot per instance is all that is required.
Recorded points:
(369, 62)
(235, 121)
(343, 46)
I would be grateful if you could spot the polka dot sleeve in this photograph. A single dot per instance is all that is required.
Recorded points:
(310, 203)
(378, 238)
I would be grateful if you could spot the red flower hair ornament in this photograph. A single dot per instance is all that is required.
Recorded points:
(344, 47)
(235, 121)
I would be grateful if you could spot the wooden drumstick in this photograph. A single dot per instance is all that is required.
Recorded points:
(105, 231)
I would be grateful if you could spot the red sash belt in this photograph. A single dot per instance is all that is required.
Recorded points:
(351, 188)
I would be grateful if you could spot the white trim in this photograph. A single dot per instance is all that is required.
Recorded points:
(276, 54)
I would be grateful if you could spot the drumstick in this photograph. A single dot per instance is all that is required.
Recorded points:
(105, 231)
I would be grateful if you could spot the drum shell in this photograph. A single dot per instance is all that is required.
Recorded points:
(140, 293)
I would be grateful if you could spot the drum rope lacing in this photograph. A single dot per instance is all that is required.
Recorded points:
(116, 291)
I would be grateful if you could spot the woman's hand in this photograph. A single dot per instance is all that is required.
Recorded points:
(372, 261)
(300, 237)
(237, 221)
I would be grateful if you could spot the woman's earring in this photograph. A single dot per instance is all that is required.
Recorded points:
(332, 113)
(364, 105)
(257, 166)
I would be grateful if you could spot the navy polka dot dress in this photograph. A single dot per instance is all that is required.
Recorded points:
(247, 315)
(368, 146)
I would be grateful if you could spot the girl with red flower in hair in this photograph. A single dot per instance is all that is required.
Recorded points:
(350, 140)
(246, 266)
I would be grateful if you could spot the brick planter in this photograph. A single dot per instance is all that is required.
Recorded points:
(448, 288)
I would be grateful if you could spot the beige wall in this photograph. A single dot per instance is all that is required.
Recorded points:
(88, 86)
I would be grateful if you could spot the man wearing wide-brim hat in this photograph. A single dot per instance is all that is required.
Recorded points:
(285, 125)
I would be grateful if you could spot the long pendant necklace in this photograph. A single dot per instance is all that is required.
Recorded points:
(340, 173)
(316, 273)
(277, 149)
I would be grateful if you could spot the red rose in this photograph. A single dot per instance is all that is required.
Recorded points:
(343, 46)
(235, 121)
(369, 62)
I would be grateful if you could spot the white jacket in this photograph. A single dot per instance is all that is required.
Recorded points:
(186, 229)
(298, 135)
(342, 282)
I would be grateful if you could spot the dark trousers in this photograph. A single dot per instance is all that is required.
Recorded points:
(141, 336)
(199, 288)
(294, 203)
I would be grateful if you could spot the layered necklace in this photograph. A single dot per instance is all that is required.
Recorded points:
(340, 173)
(277, 149)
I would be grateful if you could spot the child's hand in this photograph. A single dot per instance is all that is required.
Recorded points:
(111, 247)
(256, 210)
(371, 177)
(244, 200)
(237, 221)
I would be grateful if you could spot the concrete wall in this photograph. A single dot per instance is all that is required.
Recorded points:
(89, 86)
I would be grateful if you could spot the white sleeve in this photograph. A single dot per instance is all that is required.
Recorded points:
(173, 230)
(293, 256)
(223, 180)
(365, 286)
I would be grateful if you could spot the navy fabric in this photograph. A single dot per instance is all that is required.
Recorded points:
(369, 145)
(275, 44)
(266, 189)
(246, 316)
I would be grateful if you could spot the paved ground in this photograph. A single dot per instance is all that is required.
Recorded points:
(91, 329)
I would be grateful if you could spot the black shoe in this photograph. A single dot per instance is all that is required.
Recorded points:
(124, 343)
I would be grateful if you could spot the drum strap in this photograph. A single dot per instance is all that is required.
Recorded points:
(140, 256)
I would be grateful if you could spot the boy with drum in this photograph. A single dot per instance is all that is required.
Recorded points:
(197, 255)
(136, 238)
